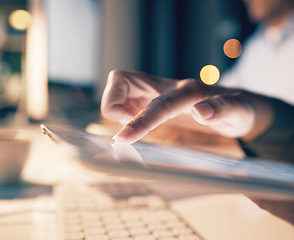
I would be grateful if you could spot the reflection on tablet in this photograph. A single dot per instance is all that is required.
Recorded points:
(101, 153)
(126, 152)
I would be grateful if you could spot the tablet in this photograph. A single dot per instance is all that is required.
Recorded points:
(177, 165)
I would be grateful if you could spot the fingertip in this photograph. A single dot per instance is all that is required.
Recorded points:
(123, 134)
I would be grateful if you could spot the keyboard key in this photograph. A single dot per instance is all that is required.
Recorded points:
(189, 237)
(117, 212)
(109, 214)
(123, 238)
(118, 233)
(102, 237)
(70, 216)
(73, 229)
(162, 234)
(92, 224)
(175, 224)
(74, 236)
(129, 215)
(132, 224)
(72, 222)
(90, 217)
(147, 237)
(139, 231)
(168, 238)
(95, 231)
(166, 215)
(111, 222)
(157, 227)
(113, 227)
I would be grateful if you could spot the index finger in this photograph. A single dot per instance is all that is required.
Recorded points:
(161, 109)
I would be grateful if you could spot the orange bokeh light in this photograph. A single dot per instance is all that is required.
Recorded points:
(232, 48)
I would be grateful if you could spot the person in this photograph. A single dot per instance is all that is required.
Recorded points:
(263, 125)
(256, 71)
(250, 104)
(265, 65)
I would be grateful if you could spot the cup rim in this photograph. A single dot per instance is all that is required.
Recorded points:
(13, 136)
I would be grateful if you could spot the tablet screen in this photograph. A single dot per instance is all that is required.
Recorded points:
(97, 150)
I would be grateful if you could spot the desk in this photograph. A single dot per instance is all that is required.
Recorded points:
(215, 216)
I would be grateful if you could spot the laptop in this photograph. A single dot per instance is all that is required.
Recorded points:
(131, 210)
(117, 211)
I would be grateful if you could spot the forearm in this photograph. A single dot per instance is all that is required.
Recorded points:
(277, 142)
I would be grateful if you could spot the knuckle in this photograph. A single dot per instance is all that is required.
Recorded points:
(141, 121)
(232, 102)
(163, 102)
(138, 122)
(194, 88)
(189, 85)
(106, 115)
(223, 104)
(109, 110)
(222, 101)
(115, 74)
(106, 111)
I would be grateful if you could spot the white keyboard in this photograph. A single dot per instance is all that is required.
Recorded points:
(117, 211)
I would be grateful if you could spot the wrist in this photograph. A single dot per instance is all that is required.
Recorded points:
(264, 116)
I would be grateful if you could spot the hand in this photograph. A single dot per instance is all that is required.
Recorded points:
(282, 209)
(146, 101)
(127, 92)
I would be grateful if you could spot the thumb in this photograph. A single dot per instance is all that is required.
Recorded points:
(231, 115)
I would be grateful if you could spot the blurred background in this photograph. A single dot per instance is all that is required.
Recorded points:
(55, 55)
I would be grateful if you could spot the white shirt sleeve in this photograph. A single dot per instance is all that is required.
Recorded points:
(265, 66)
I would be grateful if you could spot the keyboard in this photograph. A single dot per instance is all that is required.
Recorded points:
(117, 211)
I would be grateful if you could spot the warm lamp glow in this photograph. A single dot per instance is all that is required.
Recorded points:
(209, 74)
(232, 48)
(20, 19)
(36, 64)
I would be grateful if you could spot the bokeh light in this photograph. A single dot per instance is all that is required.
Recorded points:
(232, 48)
(209, 74)
(20, 19)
